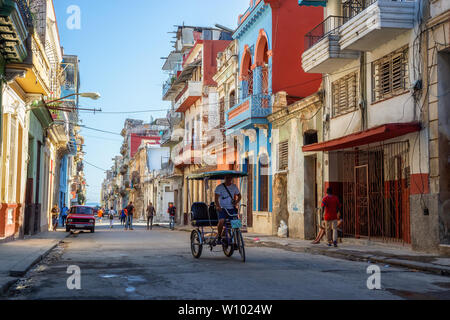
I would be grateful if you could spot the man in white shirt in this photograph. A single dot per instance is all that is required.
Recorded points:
(227, 196)
(111, 213)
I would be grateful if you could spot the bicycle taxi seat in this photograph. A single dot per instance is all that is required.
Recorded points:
(204, 216)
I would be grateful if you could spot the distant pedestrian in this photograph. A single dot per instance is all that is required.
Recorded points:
(55, 215)
(330, 208)
(171, 211)
(150, 215)
(64, 213)
(100, 214)
(111, 217)
(130, 212)
(123, 216)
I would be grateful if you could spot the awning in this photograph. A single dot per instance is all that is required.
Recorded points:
(380, 133)
(313, 3)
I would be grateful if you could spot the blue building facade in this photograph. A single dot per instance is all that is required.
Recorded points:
(248, 117)
(70, 86)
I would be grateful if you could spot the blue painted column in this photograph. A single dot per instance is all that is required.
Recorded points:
(244, 90)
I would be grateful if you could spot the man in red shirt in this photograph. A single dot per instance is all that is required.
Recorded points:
(331, 207)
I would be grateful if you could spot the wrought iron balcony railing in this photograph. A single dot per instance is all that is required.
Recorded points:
(352, 8)
(328, 26)
(25, 12)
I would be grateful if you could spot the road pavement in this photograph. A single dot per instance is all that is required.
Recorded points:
(157, 264)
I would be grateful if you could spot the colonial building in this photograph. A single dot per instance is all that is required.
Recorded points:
(268, 36)
(193, 92)
(298, 181)
(380, 118)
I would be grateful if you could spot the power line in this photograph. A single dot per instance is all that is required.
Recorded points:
(93, 165)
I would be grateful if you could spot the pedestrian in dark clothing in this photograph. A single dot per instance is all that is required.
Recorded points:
(171, 211)
(150, 215)
(130, 211)
(123, 216)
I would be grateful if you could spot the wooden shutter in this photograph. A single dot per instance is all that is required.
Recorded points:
(345, 94)
(283, 155)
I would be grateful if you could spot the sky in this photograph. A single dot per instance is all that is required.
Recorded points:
(120, 45)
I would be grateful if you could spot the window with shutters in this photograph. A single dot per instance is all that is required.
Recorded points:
(345, 94)
(283, 155)
(390, 75)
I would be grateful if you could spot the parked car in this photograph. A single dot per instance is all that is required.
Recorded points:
(81, 218)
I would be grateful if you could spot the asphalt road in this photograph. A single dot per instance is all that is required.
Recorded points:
(157, 264)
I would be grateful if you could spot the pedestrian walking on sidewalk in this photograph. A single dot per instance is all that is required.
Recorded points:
(150, 215)
(64, 213)
(55, 216)
(330, 208)
(111, 217)
(171, 211)
(130, 212)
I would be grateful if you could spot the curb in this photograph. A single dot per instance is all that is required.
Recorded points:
(443, 271)
(16, 274)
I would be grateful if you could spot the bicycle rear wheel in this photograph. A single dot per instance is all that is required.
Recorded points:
(196, 244)
(240, 244)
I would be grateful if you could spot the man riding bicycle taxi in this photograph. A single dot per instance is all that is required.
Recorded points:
(227, 197)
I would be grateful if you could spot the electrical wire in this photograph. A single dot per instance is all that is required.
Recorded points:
(93, 165)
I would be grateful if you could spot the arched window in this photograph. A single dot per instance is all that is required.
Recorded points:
(232, 99)
(246, 74)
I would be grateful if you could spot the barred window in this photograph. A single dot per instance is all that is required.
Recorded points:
(283, 155)
(345, 94)
(390, 75)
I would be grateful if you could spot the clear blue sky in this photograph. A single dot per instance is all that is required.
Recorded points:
(120, 44)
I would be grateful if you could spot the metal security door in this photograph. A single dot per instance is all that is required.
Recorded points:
(362, 201)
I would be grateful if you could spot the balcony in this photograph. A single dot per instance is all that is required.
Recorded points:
(37, 65)
(190, 94)
(323, 53)
(252, 110)
(15, 19)
(371, 23)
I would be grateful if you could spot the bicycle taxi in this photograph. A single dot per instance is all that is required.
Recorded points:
(205, 219)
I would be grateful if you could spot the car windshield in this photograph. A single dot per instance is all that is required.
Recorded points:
(81, 210)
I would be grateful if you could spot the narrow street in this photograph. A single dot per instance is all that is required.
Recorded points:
(157, 264)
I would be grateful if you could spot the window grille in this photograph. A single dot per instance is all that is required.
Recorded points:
(390, 75)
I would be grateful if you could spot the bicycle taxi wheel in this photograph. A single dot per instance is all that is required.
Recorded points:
(240, 244)
(196, 244)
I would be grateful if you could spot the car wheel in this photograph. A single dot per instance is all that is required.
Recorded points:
(92, 230)
(67, 229)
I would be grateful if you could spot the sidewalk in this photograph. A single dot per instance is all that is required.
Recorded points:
(17, 257)
(356, 250)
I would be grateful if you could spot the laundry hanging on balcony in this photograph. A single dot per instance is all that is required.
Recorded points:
(314, 3)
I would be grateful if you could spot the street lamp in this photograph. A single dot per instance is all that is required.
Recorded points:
(90, 95)
(39, 104)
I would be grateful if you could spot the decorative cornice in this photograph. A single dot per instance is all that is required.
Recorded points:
(251, 19)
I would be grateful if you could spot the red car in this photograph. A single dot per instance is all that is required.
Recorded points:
(81, 218)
